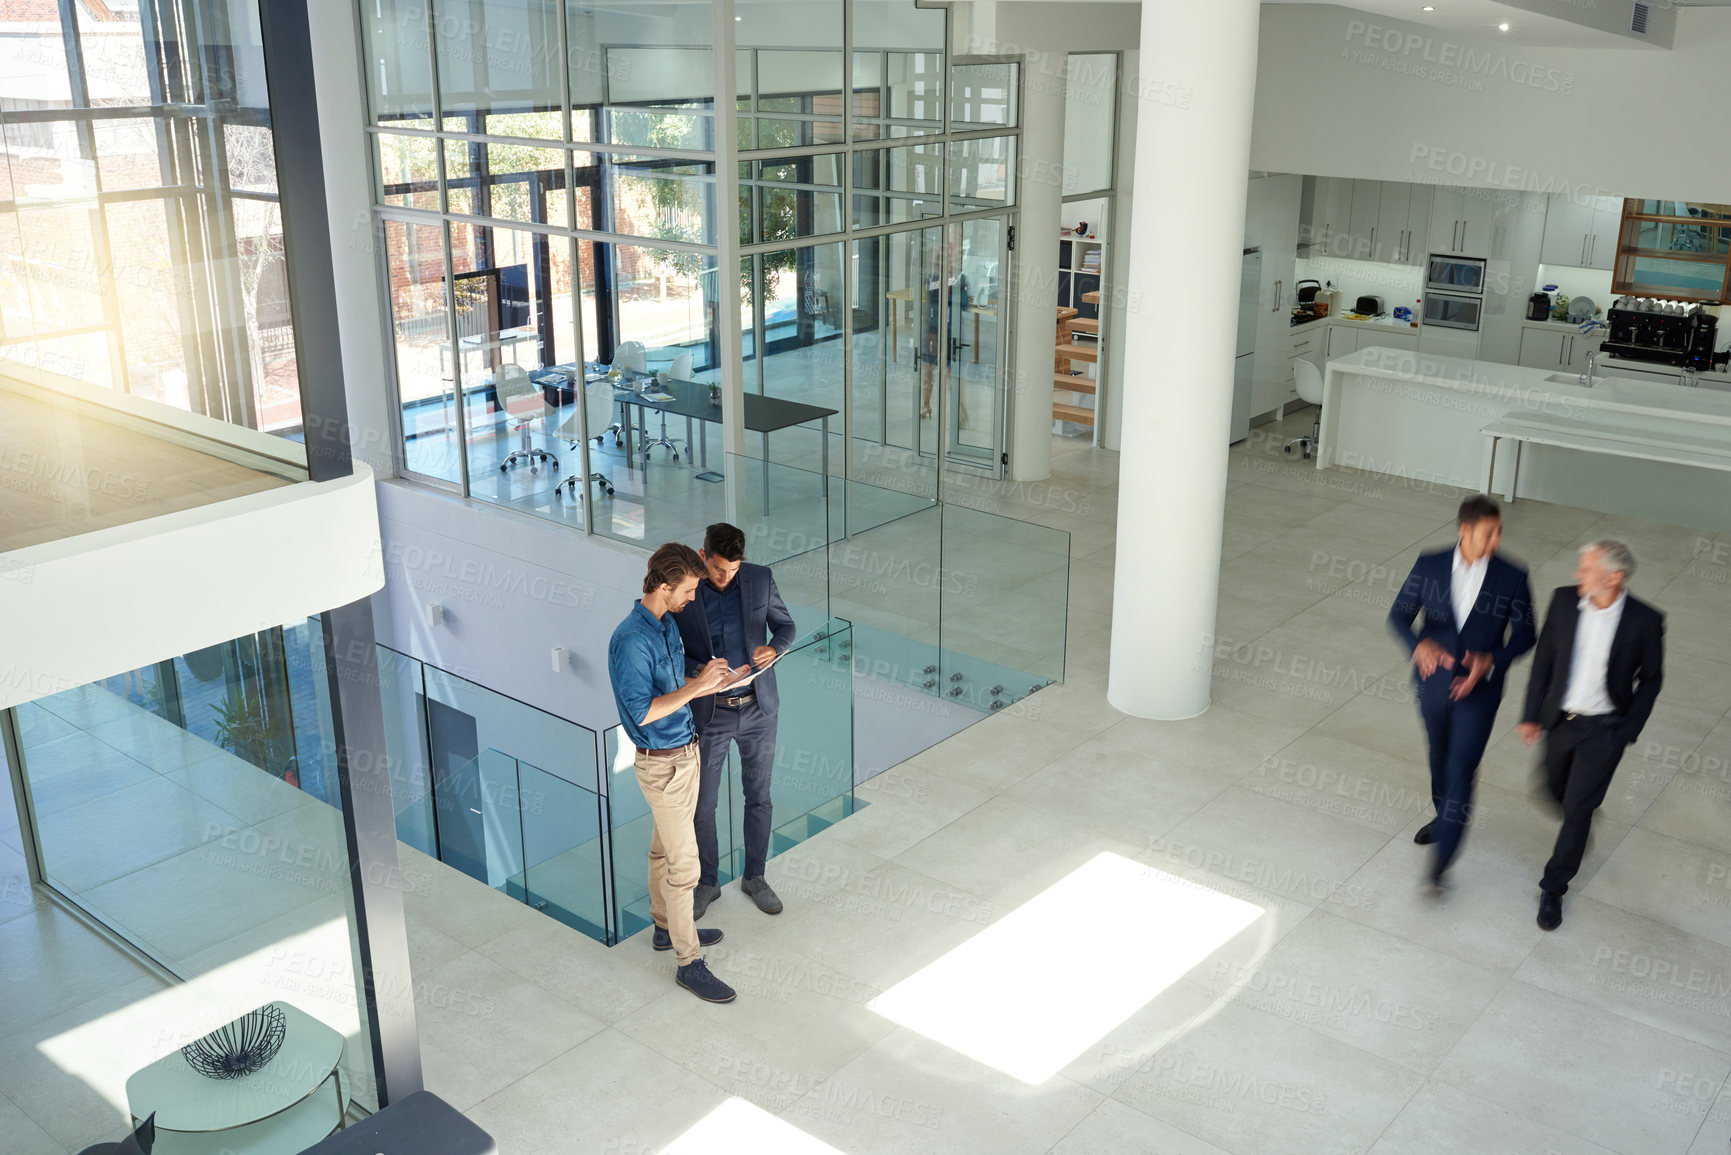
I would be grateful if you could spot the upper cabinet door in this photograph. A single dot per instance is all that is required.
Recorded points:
(1446, 208)
(1393, 201)
(1568, 230)
(1607, 220)
(1417, 224)
(1366, 203)
(1478, 210)
(1327, 224)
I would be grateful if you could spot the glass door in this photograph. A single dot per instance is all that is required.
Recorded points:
(975, 387)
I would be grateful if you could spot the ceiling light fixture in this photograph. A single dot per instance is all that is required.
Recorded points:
(1429, 8)
(1502, 28)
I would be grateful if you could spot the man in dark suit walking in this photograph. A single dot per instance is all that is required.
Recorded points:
(738, 615)
(1478, 618)
(1596, 674)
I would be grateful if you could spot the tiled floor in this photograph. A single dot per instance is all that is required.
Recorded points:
(1352, 1013)
(1335, 1005)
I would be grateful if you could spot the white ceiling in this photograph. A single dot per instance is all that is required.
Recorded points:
(1479, 19)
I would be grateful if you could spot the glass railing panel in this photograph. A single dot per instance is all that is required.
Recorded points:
(630, 829)
(885, 581)
(811, 778)
(563, 852)
(401, 686)
(1005, 602)
(480, 824)
(784, 512)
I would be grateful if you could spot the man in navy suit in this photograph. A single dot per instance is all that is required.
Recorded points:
(1478, 618)
(738, 615)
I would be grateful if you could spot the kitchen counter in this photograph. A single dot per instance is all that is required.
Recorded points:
(1420, 417)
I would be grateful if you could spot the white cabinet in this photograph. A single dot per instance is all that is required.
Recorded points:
(1544, 349)
(1344, 339)
(1394, 198)
(1460, 222)
(1607, 227)
(1272, 222)
(1308, 344)
(1327, 224)
(1418, 211)
(1406, 340)
(1581, 232)
(1366, 202)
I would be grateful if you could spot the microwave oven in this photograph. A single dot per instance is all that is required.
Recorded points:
(1455, 274)
(1453, 311)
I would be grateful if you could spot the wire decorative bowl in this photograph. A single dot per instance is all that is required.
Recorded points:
(240, 1048)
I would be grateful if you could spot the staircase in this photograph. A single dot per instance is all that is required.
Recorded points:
(1068, 350)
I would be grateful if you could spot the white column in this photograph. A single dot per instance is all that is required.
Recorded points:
(1039, 197)
(1195, 97)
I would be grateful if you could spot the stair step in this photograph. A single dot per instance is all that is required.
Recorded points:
(1091, 298)
(1073, 413)
(1079, 352)
(1065, 312)
(1074, 384)
(1086, 325)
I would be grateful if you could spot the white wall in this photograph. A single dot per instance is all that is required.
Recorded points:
(512, 589)
(1343, 93)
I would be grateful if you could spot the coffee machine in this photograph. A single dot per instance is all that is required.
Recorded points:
(1644, 330)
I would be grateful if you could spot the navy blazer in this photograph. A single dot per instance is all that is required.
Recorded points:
(1500, 624)
(766, 622)
(1633, 673)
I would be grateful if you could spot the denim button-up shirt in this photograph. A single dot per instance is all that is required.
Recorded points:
(645, 660)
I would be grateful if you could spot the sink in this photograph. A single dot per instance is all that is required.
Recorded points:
(1570, 378)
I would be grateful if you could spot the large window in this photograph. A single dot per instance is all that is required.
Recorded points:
(1677, 250)
(141, 239)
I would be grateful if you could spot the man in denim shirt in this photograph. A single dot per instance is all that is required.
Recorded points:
(646, 662)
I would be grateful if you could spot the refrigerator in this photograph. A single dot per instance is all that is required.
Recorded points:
(1244, 355)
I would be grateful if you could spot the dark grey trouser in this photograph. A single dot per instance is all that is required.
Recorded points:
(754, 731)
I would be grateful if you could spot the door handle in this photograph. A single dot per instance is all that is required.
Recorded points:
(1276, 306)
(1459, 242)
(1373, 242)
(1463, 236)
(1592, 246)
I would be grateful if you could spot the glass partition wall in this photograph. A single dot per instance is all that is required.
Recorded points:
(192, 808)
(552, 238)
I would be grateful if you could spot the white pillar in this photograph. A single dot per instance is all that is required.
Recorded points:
(1195, 97)
(1039, 197)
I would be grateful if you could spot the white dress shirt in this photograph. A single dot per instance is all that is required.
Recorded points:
(1594, 629)
(1465, 582)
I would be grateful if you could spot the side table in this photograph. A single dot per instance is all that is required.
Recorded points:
(284, 1107)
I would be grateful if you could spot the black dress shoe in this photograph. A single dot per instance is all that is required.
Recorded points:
(1426, 835)
(1550, 910)
(661, 940)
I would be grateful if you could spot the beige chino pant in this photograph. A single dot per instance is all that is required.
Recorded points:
(669, 783)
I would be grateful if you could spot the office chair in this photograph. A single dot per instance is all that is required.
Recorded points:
(522, 401)
(1309, 379)
(679, 371)
(598, 403)
(633, 358)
